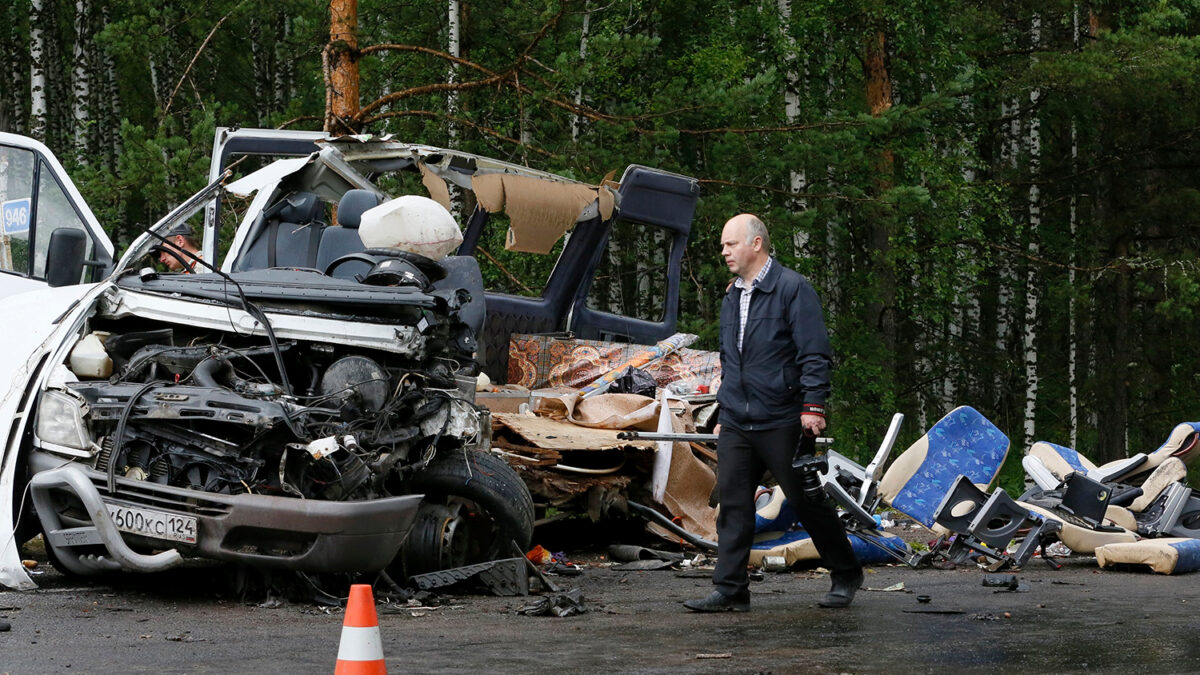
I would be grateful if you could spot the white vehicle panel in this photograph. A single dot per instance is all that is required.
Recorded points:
(400, 339)
(13, 284)
(20, 352)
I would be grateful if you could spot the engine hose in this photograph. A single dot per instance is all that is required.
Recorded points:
(205, 371)
(119, 434)
(652, 515)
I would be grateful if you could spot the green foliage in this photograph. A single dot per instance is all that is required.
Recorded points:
(916, 225)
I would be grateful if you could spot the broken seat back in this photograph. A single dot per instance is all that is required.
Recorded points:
(964, 442)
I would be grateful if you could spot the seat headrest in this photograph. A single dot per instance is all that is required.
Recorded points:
(354, 203)
(302, 207)
(1182, 442)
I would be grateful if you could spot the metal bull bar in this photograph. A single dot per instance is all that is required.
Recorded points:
(103, 531)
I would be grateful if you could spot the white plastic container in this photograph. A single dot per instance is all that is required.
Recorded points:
(88, 358)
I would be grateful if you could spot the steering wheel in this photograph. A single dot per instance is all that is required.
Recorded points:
(349, 257)
(428, 266)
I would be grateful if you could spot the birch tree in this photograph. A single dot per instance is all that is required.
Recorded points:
(576, 120)
(791, 112)
(37, 69)
(1029, 343)
(81, 80)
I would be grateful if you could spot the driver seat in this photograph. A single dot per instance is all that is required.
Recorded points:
(339, 241)
(289, 237)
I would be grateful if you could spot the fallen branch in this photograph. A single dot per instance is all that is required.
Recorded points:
(426, 50)
(429, 89)
(458, 120)
(296, 120)
(504, 269)
(211, 33)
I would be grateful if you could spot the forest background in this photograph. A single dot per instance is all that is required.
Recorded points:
(997, 200)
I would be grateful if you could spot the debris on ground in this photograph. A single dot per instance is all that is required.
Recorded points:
(501, 577)
(630, 553)
(565, 604)
(1000, 581)
(563, 569)
(645, 565)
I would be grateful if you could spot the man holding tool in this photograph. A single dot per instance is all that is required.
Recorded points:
(775, 358)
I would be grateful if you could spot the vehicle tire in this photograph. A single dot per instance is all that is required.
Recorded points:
(475, 506)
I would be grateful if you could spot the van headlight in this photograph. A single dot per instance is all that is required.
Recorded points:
(60, 421)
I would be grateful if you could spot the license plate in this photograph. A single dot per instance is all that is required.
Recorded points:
(152, 523)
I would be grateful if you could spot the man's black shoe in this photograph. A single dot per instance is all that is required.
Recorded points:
(719, 602)
(842, 593)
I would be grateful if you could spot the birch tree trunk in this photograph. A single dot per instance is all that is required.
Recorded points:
(454, 46)
(81, 82)
(1010, 141)
(454, 14)
(1030, 350)
(285, 67)
(833, 263)
(791, 112)
(261, 69)
(37, 70)
(576, 120)
(1072, 215)
(110, 128)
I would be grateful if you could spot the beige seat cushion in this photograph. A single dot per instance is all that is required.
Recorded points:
(1056, 463)
(1121, 517)
(791, 552)
(1165, 556)
(1170, 471)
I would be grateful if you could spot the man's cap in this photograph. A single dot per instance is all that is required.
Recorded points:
(179, 228)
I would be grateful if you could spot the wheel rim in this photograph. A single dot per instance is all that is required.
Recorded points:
(449, 535)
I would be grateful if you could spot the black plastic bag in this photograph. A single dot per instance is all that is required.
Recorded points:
(634, 381)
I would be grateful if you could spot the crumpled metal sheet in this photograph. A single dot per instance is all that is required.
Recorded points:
(569, 603)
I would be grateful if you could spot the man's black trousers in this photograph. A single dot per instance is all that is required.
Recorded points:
(741, 458)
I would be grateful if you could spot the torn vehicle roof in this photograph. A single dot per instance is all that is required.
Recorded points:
(541, 206)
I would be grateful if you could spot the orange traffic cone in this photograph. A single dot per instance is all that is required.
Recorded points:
(361, 650)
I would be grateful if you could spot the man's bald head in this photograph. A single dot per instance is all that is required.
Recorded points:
(752, 227)
(745, 245)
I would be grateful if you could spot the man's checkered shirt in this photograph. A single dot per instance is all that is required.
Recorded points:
(746, 293)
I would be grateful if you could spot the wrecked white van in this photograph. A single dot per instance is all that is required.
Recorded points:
(307, 403)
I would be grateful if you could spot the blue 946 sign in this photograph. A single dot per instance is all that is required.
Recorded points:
(14, 214)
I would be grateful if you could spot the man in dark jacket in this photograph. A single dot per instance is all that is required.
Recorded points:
(774, 382)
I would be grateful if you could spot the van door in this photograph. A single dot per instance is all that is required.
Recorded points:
(631, 290)
(37, 198)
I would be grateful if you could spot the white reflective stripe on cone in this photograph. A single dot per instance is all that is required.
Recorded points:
(360, 644)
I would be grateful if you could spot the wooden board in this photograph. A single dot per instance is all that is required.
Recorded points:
(543, 432)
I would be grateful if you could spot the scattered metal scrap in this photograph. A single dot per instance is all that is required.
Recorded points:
(501, 577)
(557, 604)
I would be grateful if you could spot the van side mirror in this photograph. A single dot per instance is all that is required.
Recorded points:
(64, 257)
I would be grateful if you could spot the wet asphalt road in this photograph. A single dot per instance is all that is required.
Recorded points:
(189, 621)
